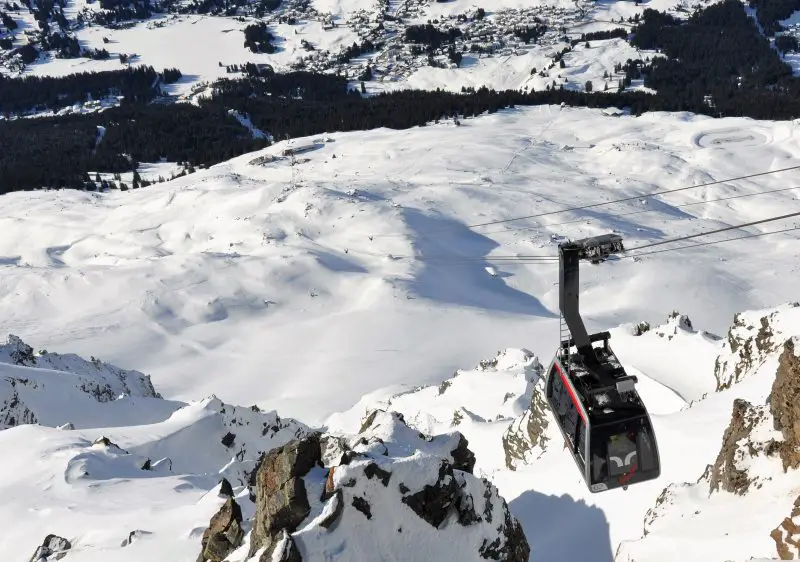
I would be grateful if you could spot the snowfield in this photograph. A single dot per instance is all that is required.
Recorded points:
(308, 278)
(325, 285)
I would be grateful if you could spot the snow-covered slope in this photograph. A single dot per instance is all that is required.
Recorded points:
(524, 457)
(118, 470)
(321, 281)
(149, 489)
(304, 284)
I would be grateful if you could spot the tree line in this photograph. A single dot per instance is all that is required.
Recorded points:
(718, 52)
(138, 85)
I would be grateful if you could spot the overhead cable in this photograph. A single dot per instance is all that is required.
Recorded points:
(603, 203)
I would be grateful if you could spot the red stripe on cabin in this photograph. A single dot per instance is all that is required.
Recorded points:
(571, 393)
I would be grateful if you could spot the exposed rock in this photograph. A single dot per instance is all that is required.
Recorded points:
(784, 404)
(224, 533)
(134, 535)
(334, 509)
(412, 469)
(228, 439)
(463, 458)
(225, 488)
(433, 502)
(362, 505)
(726, 472)
(374, 471)
(13, 411)
(53, 548)
(20, 352)
(511, 546)
(285, 550)
(100, 380)
(676, 322)
(641, 328)
(281, 500)
(334, 449)
(526, 438)
(369, 420)
(749, 347)
(787, 535)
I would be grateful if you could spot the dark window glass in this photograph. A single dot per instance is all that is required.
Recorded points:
(619, 447)
(581, 446)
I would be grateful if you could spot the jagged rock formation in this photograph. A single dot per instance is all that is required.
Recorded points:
(53, 548)
(760, 449)
(356, 495)
(784, 403)
(739, 444)
(502, 393)
(25, 382)
(526, 438)
(728, 472)
(787, 535)
(751, 339)
(281, 498)
(224, 533)
(13, 411)
(102, 381)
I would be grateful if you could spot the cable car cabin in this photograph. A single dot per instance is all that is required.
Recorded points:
(604, 422)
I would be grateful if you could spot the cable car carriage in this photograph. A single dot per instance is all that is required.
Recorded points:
(603, 420)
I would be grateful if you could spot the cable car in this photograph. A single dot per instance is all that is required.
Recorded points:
(603, 420)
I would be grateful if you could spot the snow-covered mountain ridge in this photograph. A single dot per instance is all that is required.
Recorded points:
(523, 453)
(167, 471)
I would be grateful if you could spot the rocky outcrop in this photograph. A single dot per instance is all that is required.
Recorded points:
(281, 498)
(28, 376)
(432, 503)
(100, 380)
(53, 548)
(383, 485)
(751, 339)
(784, 403)
(13, 411)
(787, 535)
(526, 438)
(224, 533)
(676, 322)
(726, 474)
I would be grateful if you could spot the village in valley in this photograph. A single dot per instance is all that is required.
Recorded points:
(395, 39)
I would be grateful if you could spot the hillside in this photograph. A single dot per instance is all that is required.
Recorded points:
(478, 446)
(260, 269)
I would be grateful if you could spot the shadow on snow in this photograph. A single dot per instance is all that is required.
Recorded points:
(438, 244)
(560, 529)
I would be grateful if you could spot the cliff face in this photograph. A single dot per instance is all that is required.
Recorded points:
(753, 337)
(784, 403)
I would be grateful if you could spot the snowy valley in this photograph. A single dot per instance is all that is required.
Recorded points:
(337, 325)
